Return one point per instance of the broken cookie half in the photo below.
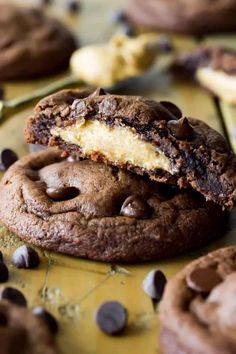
(213, 67)
(138, 134)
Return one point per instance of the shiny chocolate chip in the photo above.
(25, 257)
(47, 317)
(64, 193)
(7, 158)
(98, 92)
(154, 284)
(181, 129)
(3, 319)
(203, 280)
(4, 273)
(135, 207)
(172, 108)
(13, 295)
(111, 317)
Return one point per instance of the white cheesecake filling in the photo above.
(219, 82)
(118, 145)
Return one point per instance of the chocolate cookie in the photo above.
(21, 332)
(198, 309)
(183, 16)
(91, 210)
(141, 135)
(32, 44)
(213, 67)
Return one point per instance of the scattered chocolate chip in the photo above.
(4, 274)
(172, 108)
(135, 207)
(3, 319)
(129, 30)
(7, 158)
(25, 257)
(64, 193)
(98, 92)
(154, 284)
(180, 129)
(203, 280)
(73, 6)
(47, 317)
(165, 44)
(13, 295)
(118, 16)
(111, 317)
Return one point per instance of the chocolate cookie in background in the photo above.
(92, 210)
(32, 44)
(153, 138)
(197, 312)
(212, 67)
(22, 332)
(195, 17)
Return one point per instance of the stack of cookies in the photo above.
(134, 179)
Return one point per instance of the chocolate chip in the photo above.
(154, 284)
(129, 30)
(13, 295)
(172, 108)
(135, 207)
(119, 16)
(7, 158)
(25, 257)
(3, 319)
(203, 280)
(180, 129)
(111, 317)
(108, 106)
(165, 44)
(98, 92)
(73, 5)
(4, 274)
(64, 193)
(47, 317)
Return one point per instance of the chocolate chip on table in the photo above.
(73, 6)
(25, 257)
(135, 207)
(203, 280)
(154, 284)
(7, 158)
(171, 107)
(3, 319)
(180, 129)
(64, 193)
(13, 295)
(47, 317)
(111, 317)
(4, 273)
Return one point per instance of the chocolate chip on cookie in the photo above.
(136, 207)
(203, 280)
(64, 193)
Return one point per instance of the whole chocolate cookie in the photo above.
(184, 16)
(21, 332)
(32, 44)
(198, 309)
(135, 133)
(91, 210)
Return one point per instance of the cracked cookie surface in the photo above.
(91, 210)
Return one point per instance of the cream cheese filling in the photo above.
(118, 145)
(219, 82)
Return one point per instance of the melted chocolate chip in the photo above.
(111, 317)
(3, 319)
(64, 193)
(135, 207)
(172, 108)
(154, 284)
(47, 317)
(98, 92)
(181, 129)
(203, 280)
(13, 295)
(4, 274)
(7, 158)
(25, 257)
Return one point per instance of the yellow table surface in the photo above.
(71, 288)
